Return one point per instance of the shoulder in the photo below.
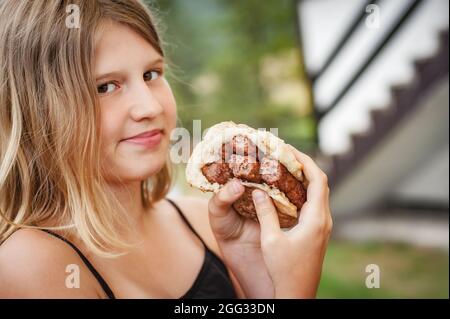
(34, 264)
(195, 209)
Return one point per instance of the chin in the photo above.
(140, 174)
(137, 167)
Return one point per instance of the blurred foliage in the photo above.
(237, 60)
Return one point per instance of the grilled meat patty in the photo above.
(241, 159)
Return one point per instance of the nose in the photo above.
(145, 103)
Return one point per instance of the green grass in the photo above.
(405, 271)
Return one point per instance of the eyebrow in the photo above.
(117, 73)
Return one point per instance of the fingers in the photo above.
(316, 211)
(220, 203)
(267, 214)
(318, 180)
(225, 222)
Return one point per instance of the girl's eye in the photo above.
(106, 88)
(151, 75)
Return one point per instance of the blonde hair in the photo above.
(50, 169)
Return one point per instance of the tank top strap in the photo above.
(88, 264)
(178, 209)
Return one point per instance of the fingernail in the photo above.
(236, 187)
(259, 196)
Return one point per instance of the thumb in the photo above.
(224, 221)
(221, 202)
(267, 214)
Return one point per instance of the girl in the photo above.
(86, 116)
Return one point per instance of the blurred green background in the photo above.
(405, 271)
(241, 61)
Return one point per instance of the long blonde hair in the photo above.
(49, 121)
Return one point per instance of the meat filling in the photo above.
(245, 168)
(240, 160)
(218, 172)
(239, 145)
(275, 174)
(244, 204)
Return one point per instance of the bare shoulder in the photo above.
(196, 211)
(34, 264)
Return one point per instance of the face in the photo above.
(138, 110)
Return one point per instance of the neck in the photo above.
(129, 195)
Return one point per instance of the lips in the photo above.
(148, 138)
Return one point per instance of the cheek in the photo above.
(170, 107)
(171, 117)
(110, 128)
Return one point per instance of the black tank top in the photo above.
(213, 280)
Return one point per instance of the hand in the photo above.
(239, 240)
(294, 258)
(267, 261)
